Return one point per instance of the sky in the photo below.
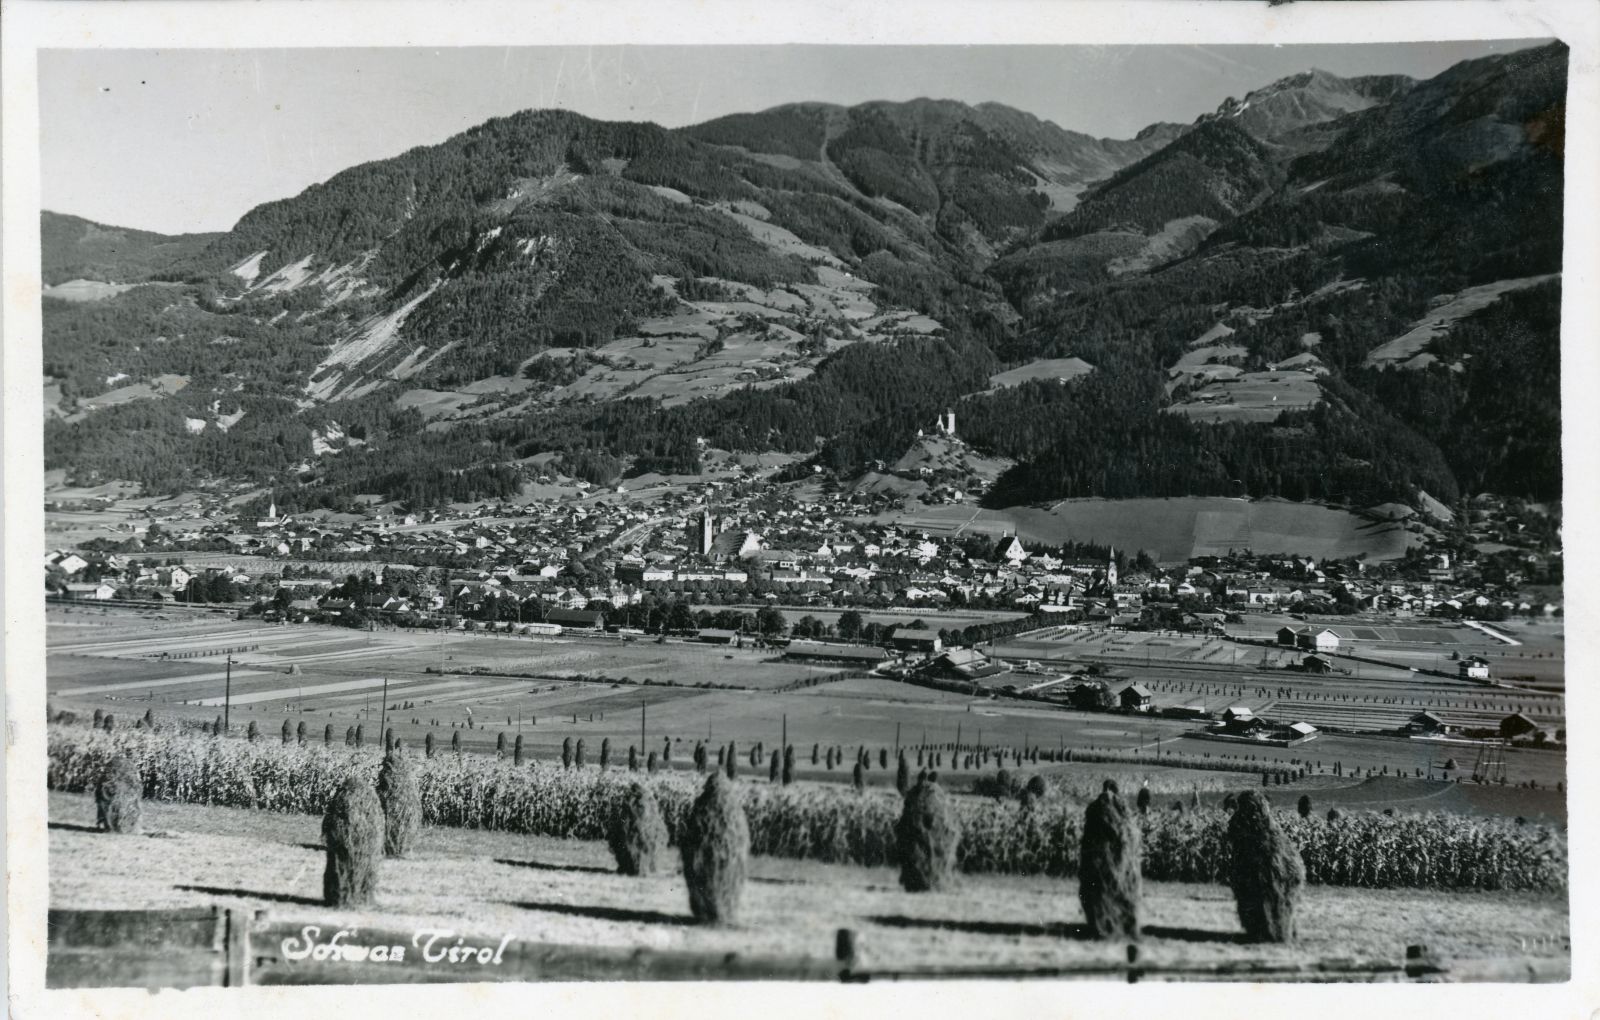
(189, 140)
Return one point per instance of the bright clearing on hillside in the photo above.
(1060, 369)
(1407, 349)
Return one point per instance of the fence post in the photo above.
(236, 973)
(1421, 963)
(844, 951)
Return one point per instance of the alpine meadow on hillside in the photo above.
(847, 539)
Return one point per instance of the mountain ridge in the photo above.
(813, 278)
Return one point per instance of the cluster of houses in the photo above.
(99, 578)
(712, 537)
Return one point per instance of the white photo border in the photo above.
(26, 26)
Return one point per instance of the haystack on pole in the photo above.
(119, 796)
(353, 832)
(637, 834)
(1265, 871)
(716, 852)
(1109, 884)
(926, 837)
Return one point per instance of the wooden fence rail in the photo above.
(234, 947)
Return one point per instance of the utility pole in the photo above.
(383, 712)
(897, 739)
(227, 697)
(642, 747)
(785, 744)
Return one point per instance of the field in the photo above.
(330, 675)
(1406, 350)
(1251, 397)
(112, 661)
(161, 385)
(1186, 841)
(566, 891)
(1212, 673)
(1174, 530)
(85, 290)
(935, 618)
(1059, 369)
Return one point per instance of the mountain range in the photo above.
(1339, 289)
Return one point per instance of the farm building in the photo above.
(912, 639)
(821, 651)
(1322, 641)
(1425, 722)
(72, 563)
(1092, 696)
(88, 592)
(577, 619)
(1208, 622)
(1135, 697)
(1517, 725)
(1473, 667)
(1316, 664)
(964, 664)
(716, 636)
(1306, 638)
(1240, 721)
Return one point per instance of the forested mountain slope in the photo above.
(821, 280)
(78, 249)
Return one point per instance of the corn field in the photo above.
(821, 822)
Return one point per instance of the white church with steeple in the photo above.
(272, 520)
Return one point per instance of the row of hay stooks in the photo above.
(366, 823)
